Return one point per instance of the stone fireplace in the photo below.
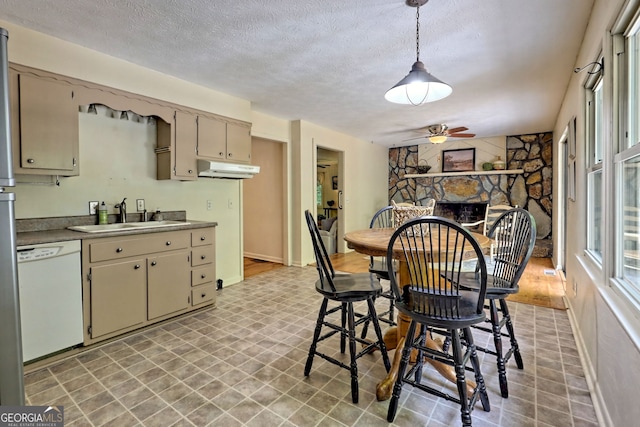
(461, 212)
(531, 189)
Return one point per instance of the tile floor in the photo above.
(242, 364)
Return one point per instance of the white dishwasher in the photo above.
(50, 298)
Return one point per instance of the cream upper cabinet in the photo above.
(186, 140)
(212, 138)
(238, 142)
(176, 147)
(44, 126)
(223, 140)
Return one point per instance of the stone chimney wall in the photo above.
(531, 190)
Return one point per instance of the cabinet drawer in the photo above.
(201, 256)
(122, 248)
(203, 294)
(202, 236)
(202, 275)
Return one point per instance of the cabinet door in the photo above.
(185, 145)
(212, 138)
(238, 143)
(118, 297)
(168, 284)
(48, 126)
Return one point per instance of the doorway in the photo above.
(264, 204)
(329, 197)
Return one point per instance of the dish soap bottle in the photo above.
(103, 214)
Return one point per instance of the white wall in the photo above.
(604, 326)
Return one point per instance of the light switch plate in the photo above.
(140, 205)
(93, 208)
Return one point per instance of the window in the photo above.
(627, 170)
(633, 84)
(595, 122)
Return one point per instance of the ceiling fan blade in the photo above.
(456, 130)
(462, 135)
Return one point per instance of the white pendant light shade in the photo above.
(437, 139)
(418, 87)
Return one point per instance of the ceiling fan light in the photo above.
(437, 139)
(418, 87)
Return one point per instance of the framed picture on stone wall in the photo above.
(460, 160)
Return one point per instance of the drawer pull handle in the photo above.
(221, 154)
(119, 250)
(137, 266)
(203, 295)
(203, 257)
(169, 243)
(203, 276)
(31, 161)
(190, 171)
(153, 263)
(202, 238)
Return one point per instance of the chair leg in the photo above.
(475, 363)
(343, 323)
(376, 327)
(458, 360)
(404, 361)
(494, 316)
(392, 306)
(316, 335)
(512, 335)
(352, 352)
(365, 327)
(420, 355)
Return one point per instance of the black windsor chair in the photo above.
(514, 235)
(436, 305)
(344, 289)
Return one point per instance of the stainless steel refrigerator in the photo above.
(11, 370)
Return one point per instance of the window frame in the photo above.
(628, 76)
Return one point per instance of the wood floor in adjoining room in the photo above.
(254, 267)
(540, 284)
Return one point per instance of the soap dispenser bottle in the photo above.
(103, 214)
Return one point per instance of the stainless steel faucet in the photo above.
(123, 210)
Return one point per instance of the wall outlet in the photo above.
(140, 205)
(93, 208)
(209, 205)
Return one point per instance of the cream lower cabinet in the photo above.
(167, 277)
(118, 296)
(134, 281)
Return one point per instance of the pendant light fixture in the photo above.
(419, 86)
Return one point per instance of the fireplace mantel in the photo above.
(466, 173)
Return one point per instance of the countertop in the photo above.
(47, 230)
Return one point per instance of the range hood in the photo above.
(211, 169)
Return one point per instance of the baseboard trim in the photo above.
(599, 405)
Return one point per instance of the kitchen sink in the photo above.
(127, 226)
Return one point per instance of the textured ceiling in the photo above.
(331, 61)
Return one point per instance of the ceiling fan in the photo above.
(437, 134)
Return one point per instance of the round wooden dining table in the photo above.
(374, 242)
